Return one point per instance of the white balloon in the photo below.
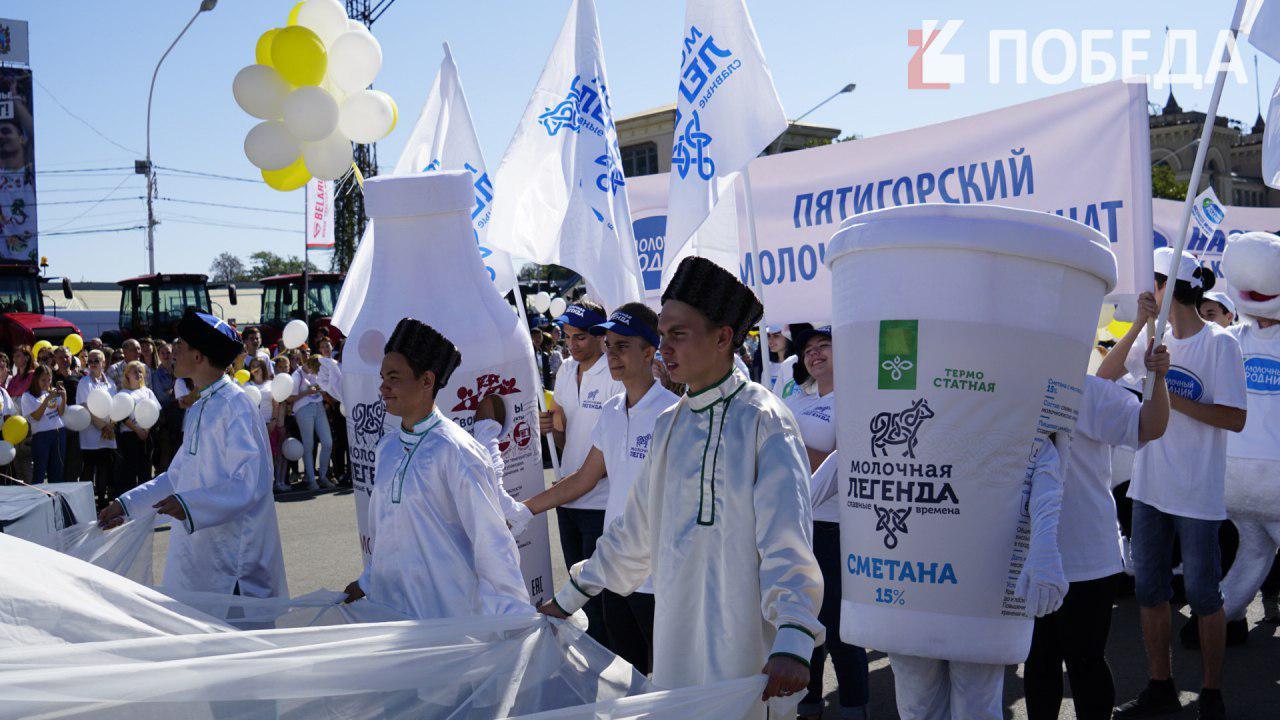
(327, 18)
(357, 26)
(354, 60)
(270, 146)
(259, 90)
(254, 394)
(7, 452)
(146, 413)
(330, 158)
(366, 116)
(121, 406)
(99, 403)
(76, 418)
(292, 449)
(281, 387)
(558, 306)
(294, 334)
(310, 113)
(541, 302)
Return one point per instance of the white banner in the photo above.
(1082, 154)
(320, 204)
(1166, 214)
(558, 199)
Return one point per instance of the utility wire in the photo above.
(94, 232)
(82, 202)
(214, 176)
(235, 207)
(84, 122)
(82, 171)
(91, 207)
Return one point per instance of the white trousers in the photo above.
(1252, 489)
(929, 689)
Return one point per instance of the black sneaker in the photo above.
(1159, 697)
(1210, 705)
(1237, 632)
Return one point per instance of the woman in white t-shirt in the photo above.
(98, 441)
(135, 464)
(1178, 480)
(1089, 542)
(43, 404)
(308, 410)
(814, 411)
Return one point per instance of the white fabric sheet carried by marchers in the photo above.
(560, 197)
(1083, 154)
(77, 641)
(727, 112)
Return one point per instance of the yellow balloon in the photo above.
(293, 14)
(395, 114)
(262, 53)
(242, 376)
(73, 343)
(299, 56)
(39, 347)
(290, 177)
(1118, 329)
(15, 429)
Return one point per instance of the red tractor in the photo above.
(282, 301)
(22, 312)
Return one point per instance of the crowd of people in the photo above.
(698, 511)
(117, 456)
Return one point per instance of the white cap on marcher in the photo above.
(1222, 299)
(1186, 268)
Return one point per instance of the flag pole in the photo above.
(1193, 187)
(755, 275)
(537, 378)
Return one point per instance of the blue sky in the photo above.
(97, 57)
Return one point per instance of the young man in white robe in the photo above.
(620, 444)
(441, 547)
(218, 486)
(719, 515)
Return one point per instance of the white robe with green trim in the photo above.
(441, 547)
(720, 516)
(222, 475)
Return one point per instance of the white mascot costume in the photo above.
(1251, 264)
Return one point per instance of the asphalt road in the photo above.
(321, 551)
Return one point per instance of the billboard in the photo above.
(18, 234)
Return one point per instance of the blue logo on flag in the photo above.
(1262, 374)
(1184, 383)
(585, 102)
(651, 235)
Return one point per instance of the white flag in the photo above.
(559, 189)
(727, 112)
(1271, 142)
(444, 138)
(1260, 20)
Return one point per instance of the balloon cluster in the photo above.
(310, 87)
(117, 408)
(542, 302)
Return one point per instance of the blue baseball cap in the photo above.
(624, 324)
(581, 317)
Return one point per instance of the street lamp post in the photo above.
(777, 144)
(145, 166)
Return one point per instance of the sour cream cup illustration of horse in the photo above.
(961, 334)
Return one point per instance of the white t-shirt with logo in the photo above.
(50, 420)
(782, 379)
(816, 416)
(1183, 472)
(582, 404)
(91, 437)
(1088, 532)
(1260, 438)
(623, 435)
(303, 381)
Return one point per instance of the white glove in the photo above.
(518, 516)
(1042, 582)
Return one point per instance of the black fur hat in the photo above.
(214, 338)
(425, 349)
(716, 293)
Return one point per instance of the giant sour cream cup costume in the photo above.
(961, 337)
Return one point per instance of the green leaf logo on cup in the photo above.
(898, 354)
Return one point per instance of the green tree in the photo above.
(1165, 184)
(227, 268)
(265, 264)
